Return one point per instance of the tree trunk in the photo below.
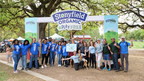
(42, 27)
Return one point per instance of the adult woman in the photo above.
(24, 47)
(92, 55)
(44, 52)
(16, 54)
(106, 55)
(59, 53)
(86, 52)
(99, 49)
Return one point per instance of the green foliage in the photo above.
(29, 34)
(111, 34)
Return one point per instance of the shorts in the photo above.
(8, 56)
(106, 56)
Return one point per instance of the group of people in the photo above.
(89, 54)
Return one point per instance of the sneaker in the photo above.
(59, 65)
(16, 71)
(42, 66)
(125, 71)
(109, 69)
(104, 68)
(45, 65)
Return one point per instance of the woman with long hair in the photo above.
(16, 54)
(24, 48)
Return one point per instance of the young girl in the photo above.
(24, 48)
(8, 52)
(59, 53)
(44, 52)
(92, 55)
(16, 54)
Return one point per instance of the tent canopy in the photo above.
(20, 38)
(56, 36)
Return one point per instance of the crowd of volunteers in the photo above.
(89, 54)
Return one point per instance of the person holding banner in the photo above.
(99, 49)
(34, 52)
(24, 48)
(16, 54)
(52, 52)
(44, 52)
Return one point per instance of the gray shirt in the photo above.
(99, 48)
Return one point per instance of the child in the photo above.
(59, 53)
(8, 52)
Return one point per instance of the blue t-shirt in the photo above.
(34, 48)
(64, 53)
(24, 49)
(75, 58)
(124, 47)
(44, 49)
(17, 49)
(49, 43)
(59, 49)
(53, 47)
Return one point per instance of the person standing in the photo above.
(34, 52)
(8, 52)
(99, 49)
(44, 52)
(106, 55)
(52, 52)
(49, 42)
(24, 47)
(59, 53)
(124, 52)
(65, 54)
(92, 55)
(114, 51)
(16, 54)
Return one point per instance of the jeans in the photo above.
(52, 58)
(48, 58)
(33, 58)
(65, 62)
(16, 58)
(115, 61)
(24, 61)
(59, 58)
(124, 56)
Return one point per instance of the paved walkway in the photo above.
(46, 78)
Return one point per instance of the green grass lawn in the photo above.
(3, 76)
(138, 45)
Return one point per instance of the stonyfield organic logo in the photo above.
(111, 20)
(30, 22)
(69, 20)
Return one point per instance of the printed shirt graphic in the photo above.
(53, 47)
(24, 49)
(34, 48)
(44, 49)
(17, 49)
(64, 53)
(59, 49)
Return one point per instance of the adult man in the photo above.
(124, 52)
(114, 51)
